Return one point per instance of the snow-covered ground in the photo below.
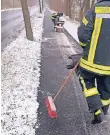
(20, 82)
(72, 28)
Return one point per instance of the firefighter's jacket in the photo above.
(94, 37)
(54, 15)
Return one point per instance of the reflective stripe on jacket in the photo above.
(94, 37)
(54, 15)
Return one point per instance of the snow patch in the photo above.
(72, 28)
(20, 82)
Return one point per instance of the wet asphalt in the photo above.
(73, 115)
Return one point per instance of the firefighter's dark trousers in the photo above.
(96, 89)
(53, 21)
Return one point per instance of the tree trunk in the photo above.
(73, 9)
(87, 6)
(42, 4)
(29, 33)
(69, 7)
(40, 8)
(81, 14)
(13, 4)
(82, 4)
(92, 4)
(2, 4)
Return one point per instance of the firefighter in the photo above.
(56, 17)
(94, 37)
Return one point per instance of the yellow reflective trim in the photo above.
(53, 15)
(91, 92)
(94, 39)
(94, 70)
(52, 18)
(98, 112)
(105, 102)
(85, 21)
(102, 10)
(88, 92)
(100, 67)
(82, 44)
(83, 83)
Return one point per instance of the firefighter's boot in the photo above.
(105, 109)
(97, 117)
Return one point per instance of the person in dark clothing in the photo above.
(94, 37)
(55, 17)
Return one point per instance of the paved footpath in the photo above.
(73, 116)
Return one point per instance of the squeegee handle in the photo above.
(65, 82)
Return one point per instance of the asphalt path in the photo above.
(12, 23)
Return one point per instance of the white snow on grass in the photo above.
(72, 28)
(20, 82)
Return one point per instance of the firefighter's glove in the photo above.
(70, 57)
(70, 66)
